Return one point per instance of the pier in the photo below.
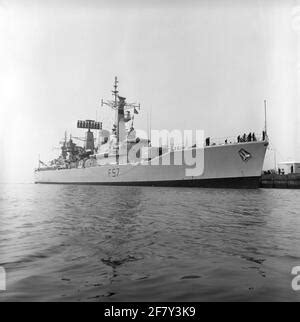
(283, 181)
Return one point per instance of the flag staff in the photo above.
(266, 129)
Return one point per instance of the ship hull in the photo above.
(225, 166)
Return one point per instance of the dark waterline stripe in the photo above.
(239, 182)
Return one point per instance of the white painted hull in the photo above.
(223, 167)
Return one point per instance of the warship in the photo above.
(118, 156)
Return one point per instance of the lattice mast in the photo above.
(119, 105)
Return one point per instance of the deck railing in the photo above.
(234, 140)
(223, 141)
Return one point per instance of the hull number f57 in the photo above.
(113, 172)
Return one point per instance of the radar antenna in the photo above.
(114, 103)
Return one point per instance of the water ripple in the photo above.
(89, 243)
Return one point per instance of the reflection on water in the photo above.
(93, 243)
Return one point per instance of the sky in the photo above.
(205, 65)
